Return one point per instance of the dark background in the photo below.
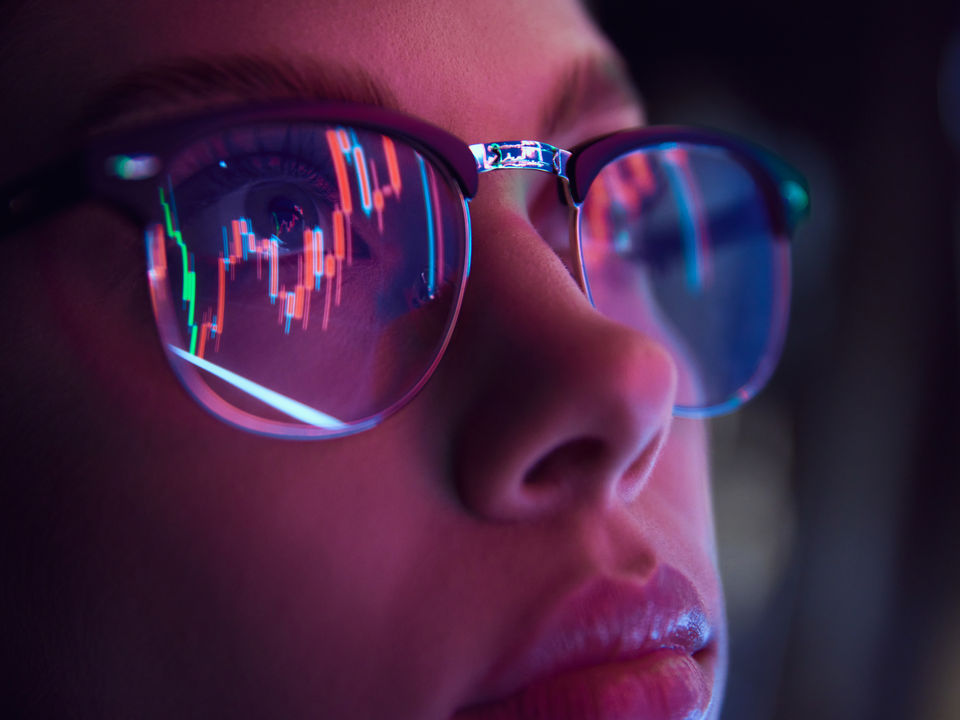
(838, 489)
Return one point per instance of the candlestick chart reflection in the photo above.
(305, 274)
(677, 241)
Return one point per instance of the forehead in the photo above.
(479, 69)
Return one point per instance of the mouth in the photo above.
(614, 649)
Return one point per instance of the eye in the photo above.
(271, 196)
(278, 195)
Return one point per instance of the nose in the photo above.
(559, 406)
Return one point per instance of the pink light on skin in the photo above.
(395, 478)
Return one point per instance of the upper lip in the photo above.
(608, 620)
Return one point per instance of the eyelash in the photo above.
(216, 182)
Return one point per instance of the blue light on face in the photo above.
(692, 242)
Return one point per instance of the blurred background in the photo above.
(838, 489)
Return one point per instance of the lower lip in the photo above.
(663, 685)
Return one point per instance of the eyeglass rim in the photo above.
(87, 172)
(785, 190)
(220, 408)
(83, 173)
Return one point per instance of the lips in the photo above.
(615, 649)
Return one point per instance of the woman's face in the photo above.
(521, 534)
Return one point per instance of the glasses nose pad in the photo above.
(573, 238)
(423, 291)
(556, 218)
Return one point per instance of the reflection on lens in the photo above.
(305, 277)
(677, 242)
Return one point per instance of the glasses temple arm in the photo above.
(793, 188)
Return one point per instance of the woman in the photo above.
(523, 531)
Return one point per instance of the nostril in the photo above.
(590, 464)
(567, 462)
(634, 477)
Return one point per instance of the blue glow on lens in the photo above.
(226, 246)
(796, 196)
(694, 274)
(712, 410)
(294, 409)
(469, 243)
(432, 277)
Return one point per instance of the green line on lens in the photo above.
(189, 293)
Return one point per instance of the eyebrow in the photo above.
(586, 85)
(167, 87)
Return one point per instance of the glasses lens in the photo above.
(678, 241)
(305, 277)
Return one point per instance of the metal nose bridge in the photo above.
(521, 154)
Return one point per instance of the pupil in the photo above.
(286, 214)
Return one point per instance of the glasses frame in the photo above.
(119, 169)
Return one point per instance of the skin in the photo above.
(169, 565)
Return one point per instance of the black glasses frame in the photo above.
(113, 168)
(120, 169)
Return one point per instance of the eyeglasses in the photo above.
(306, 262)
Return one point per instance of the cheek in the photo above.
(99, 304)
(281, 559)
(677, 497)
(684, 459)
(294, 565)
(676, 510)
